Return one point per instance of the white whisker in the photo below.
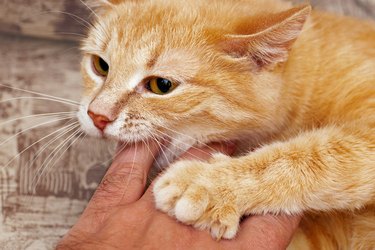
(57, 114)
(38, 98)
(131, 171)
(88, 7)
(116, 154)
(40, 94)
(38, 125)
(79, 19)
(149, 150)
(187, 136)
(49, 158)
(161, 149)
(68, 49)
(71, 34)
(178, 147)
(54, 132)
(182, 142)
(41, 150)
(63, 152)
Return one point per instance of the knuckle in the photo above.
(133, 173)
(114, 184)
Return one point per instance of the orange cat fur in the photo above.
(298, 86)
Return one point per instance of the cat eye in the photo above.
(161, 86)
(100, 66)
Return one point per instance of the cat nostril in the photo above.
(100, 121)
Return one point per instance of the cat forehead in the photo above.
(122, 31)
(136, 24)
(170, 23)
(130, 64)
(144, 50)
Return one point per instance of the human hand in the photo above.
(121, 216)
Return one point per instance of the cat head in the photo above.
(208, 70)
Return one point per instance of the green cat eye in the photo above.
(161, 86)
(100, 66)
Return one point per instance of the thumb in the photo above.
(123, 183)
(268, 231)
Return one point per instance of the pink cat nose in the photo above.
(100, 121)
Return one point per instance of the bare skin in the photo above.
(122, 215)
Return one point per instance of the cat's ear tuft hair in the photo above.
(269, 38)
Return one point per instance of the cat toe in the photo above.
(171, 187)
(166, 196)
(224, 231)
(225, 222)
(192, 205)
(186, 192)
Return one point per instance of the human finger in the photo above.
(268, 231)
(123, 183)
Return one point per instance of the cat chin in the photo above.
(126, 139)
(122, 138)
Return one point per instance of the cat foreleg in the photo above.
(324, 169)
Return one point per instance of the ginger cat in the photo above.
(295, 84)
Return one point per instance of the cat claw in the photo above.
(223, 232)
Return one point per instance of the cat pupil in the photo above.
(164, 85)
(103, 65)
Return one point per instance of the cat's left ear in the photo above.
(270, 40)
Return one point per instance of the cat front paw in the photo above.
(199, 194)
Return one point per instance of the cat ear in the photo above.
(273, 38)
